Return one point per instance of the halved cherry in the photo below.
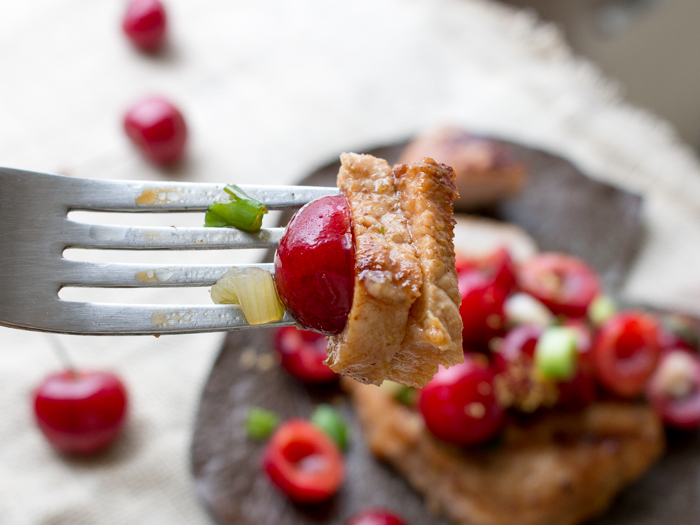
(481, 308)
(565, 284)
(625, 352)
(579, 391)
(674, 389)
(302, 354)
(375, 517)
(517, 346)
(497, 267)
(678, 332)
(315, 265)
(303, 462)
(459, 404)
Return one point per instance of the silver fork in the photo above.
(35, 230)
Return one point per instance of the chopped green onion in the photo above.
(254, 289)
(406, 395)
(261, 423)
(326, 418)
(601, 309)
(682, 328)
(556, 354)
(235, 208)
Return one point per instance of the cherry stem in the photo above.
(63, 355)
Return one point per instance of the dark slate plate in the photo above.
(564, 211)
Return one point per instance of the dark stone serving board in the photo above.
(563, 210)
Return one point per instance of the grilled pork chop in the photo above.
(404, 320)
(558, 469)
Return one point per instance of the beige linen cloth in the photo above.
(270, 88)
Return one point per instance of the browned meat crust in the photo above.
(485, 172)
(404, 320)
(561, 469)
(434, 331)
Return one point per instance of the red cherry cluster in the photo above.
(629, 354)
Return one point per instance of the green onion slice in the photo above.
(601, 309)
(327, 418)
(235, 208)
(260, 423)
(254, 289)
(556, 355)
(406, 395)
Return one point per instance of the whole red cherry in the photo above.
(302, 354)
(459, 404)
(315, 265)
(80, 412)
(565, 284)
(144, 23)
(625, 352)
(303, 462)
(375, 517)
(497, 266)
(158, 129)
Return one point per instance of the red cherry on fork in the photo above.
(315, 265)
(80, 412)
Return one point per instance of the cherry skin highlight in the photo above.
(315, 265)
(80, 412)
(303, 462)
(302, 354)
(158, 129)
(144, 23)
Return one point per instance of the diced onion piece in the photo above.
(556, 353)
(261, 423)
(222, 292)
(254, 289)
(522, 308)
(674, 376)
(601, 309)
(326, 418)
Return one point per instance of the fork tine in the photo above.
(97, 195)
(101, 236)
(141, 275)
(118, 319)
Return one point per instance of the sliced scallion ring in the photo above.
(556, 355)
(261, 423)
(327, 418)
(236, 209)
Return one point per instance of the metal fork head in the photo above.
(36, 230)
